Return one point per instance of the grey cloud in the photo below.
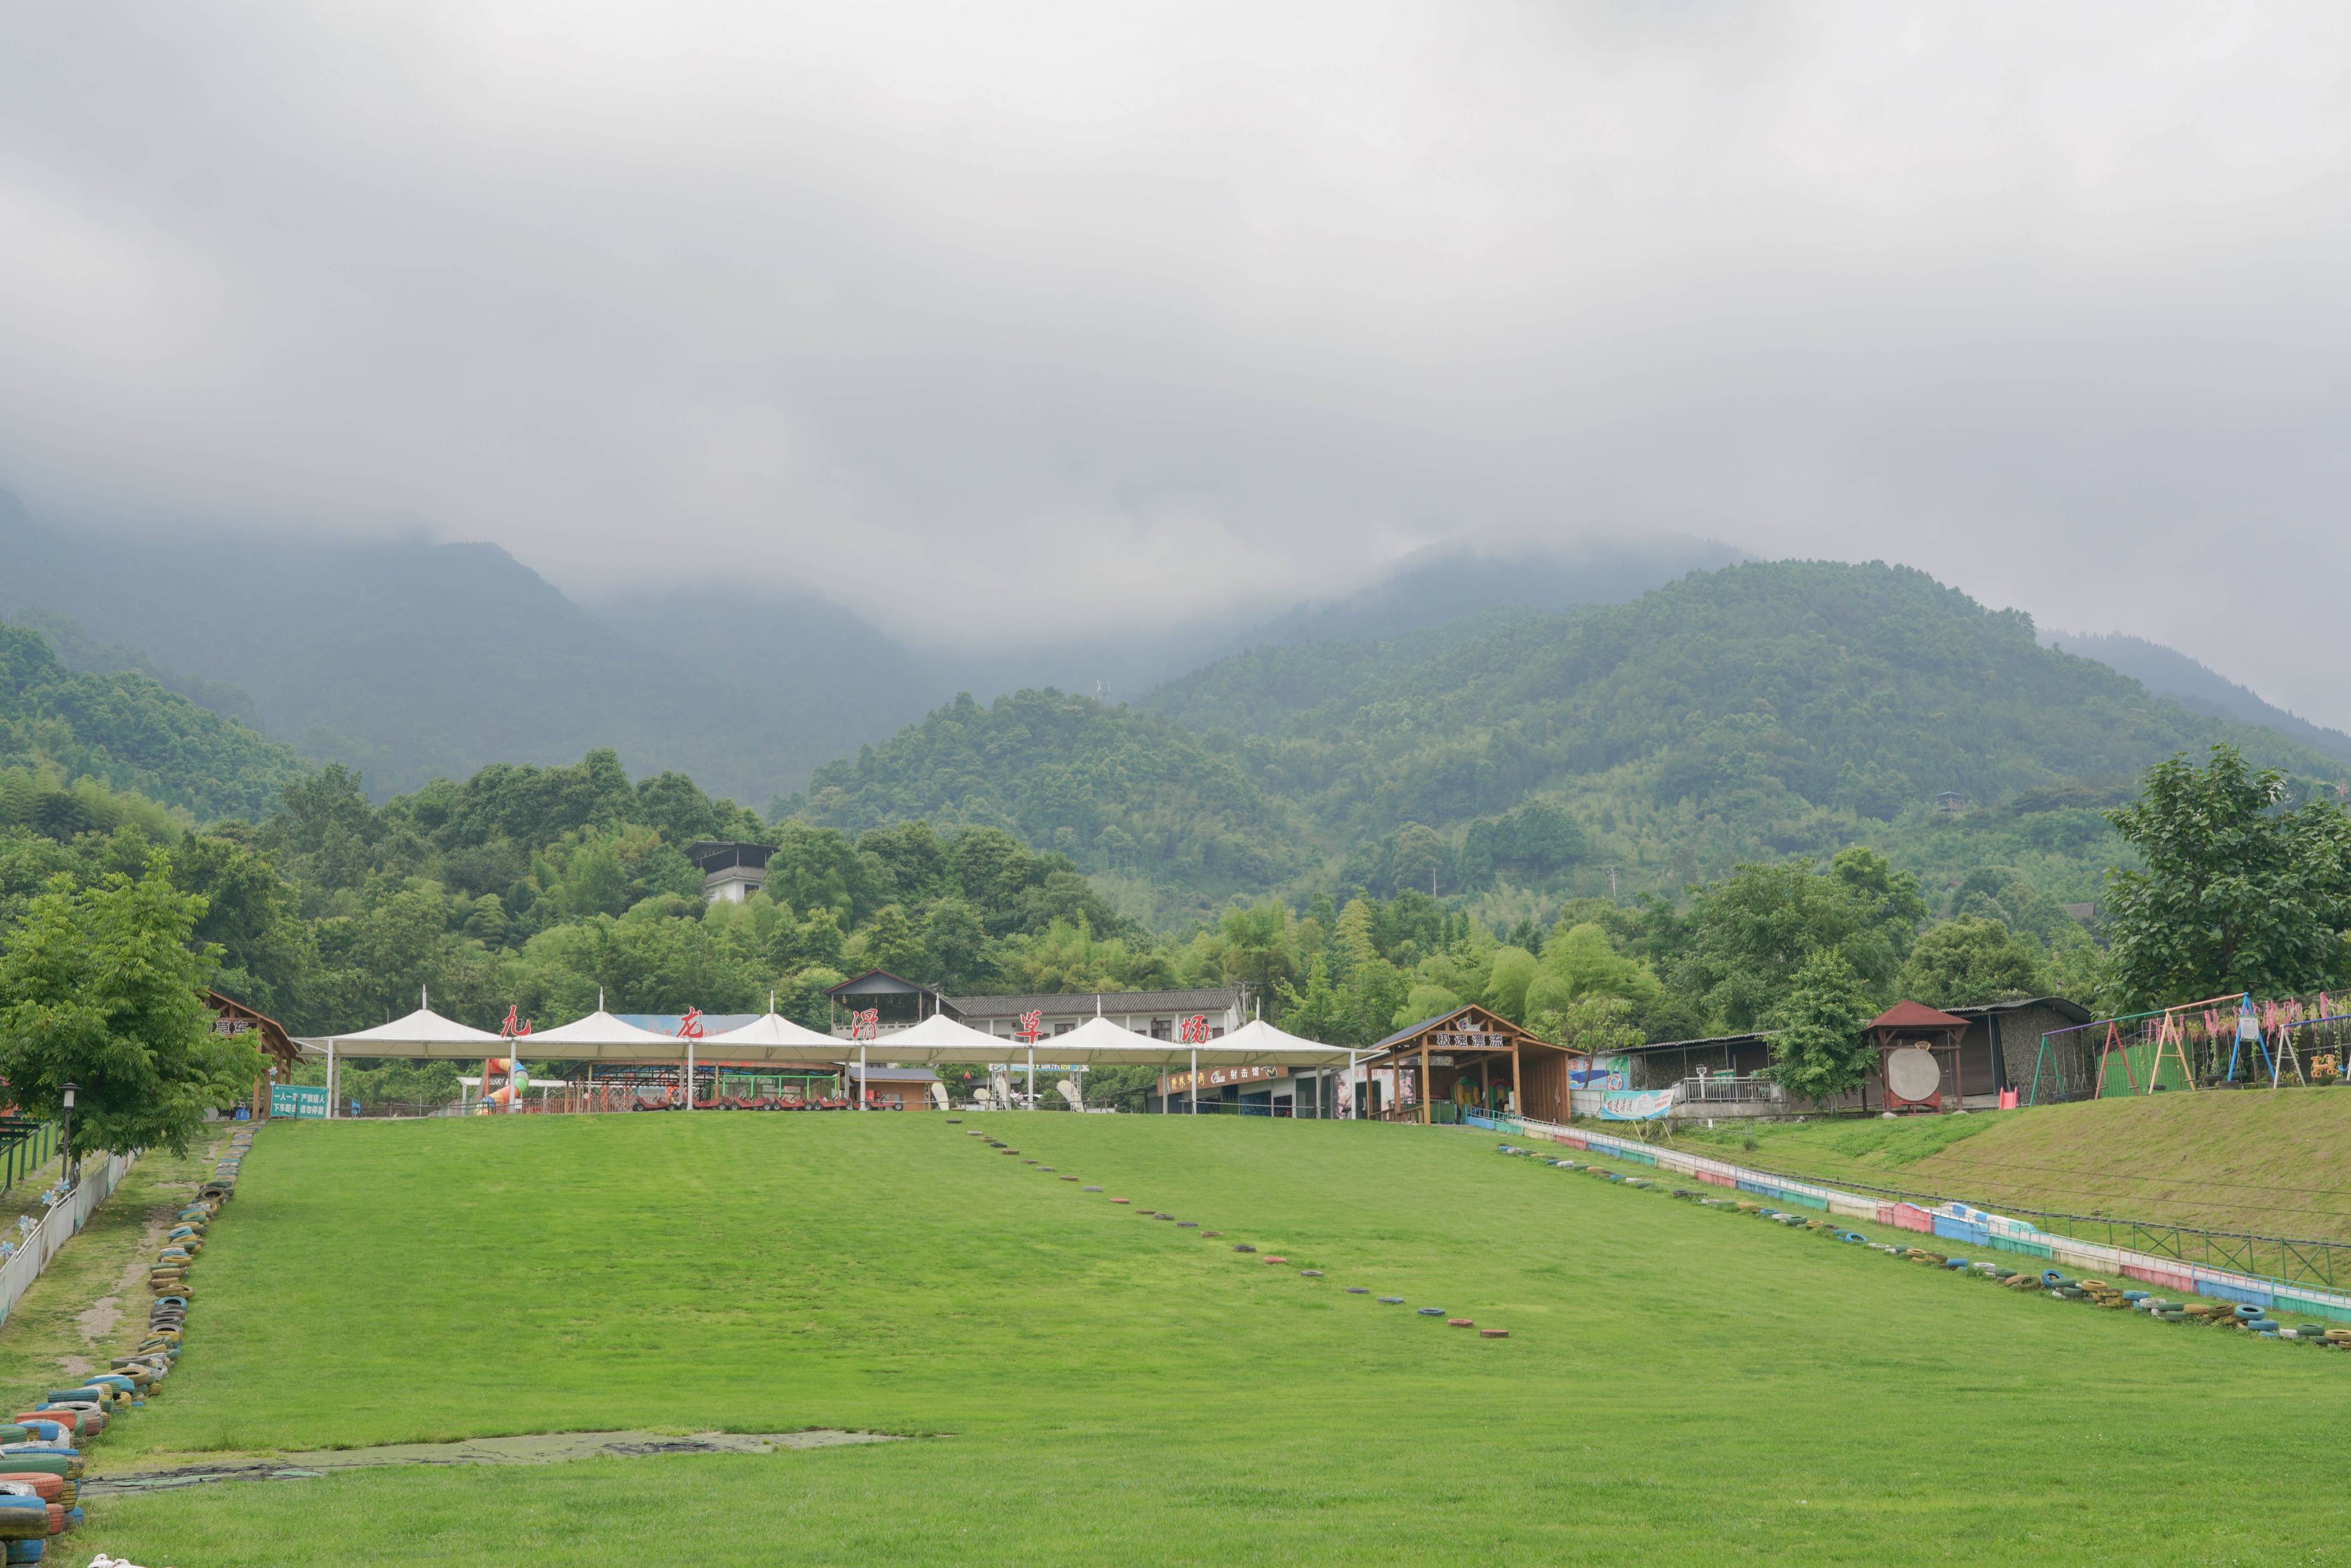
(940, 308)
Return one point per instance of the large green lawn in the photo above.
(1681, 1385)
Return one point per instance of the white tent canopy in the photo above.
(936, 1041)
(422, 1033)
(1263, 1045)
(774, 1030)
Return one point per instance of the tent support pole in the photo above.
(689, 1075)
(864, 1089)
(330, 1078)
(1196, 1081)
(1032, 1076)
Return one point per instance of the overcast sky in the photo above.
(1090, 308)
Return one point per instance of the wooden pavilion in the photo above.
(232, 1017)
(1469, 1059)
(1909, 1026)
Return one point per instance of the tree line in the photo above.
(539, 888)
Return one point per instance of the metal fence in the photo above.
(1700, 1089)
(60, 1225)
(28, 1145)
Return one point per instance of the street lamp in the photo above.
(67, 1153)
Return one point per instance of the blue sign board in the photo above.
(299, 1101)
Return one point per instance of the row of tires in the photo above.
(41, 1449)
(2248, 1318)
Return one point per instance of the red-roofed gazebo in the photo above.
(1911, 1038)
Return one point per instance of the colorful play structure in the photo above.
(2218, 1043)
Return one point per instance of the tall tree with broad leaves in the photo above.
(1817, 1047)
(2237, 893)
(104, 990)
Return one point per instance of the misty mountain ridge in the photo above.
(408, 660)
(2193, 685)
(1730, 717)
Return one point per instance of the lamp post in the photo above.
(65, 1155)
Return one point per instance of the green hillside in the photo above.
(1741, 715)
(129, 731)
(2271, 1163)
(1117, 791)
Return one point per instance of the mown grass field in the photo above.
(2274, 1163)
(1681, 1385)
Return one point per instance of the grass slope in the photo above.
(1680, 1384)
(2277, 1164)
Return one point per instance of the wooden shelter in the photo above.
(1914, 1026)
(232, 1016)
(1472, 1057)
(895, 1002)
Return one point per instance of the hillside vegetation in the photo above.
(127, 731)
(1734, 716)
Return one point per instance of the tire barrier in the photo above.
(41, 1462)
(2243, 1302)
(2216, 1288)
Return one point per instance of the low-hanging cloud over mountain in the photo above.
(973, 314)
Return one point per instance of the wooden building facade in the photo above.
(1470, 1059)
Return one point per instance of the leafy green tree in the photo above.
(2236, 893)
(954, 944)
(891, 942)
(1318, 1013)
(104, 990)
(1753, 931)
(1255, 947)
(1419, 855)
(1968, 961)
(1596, 1024)
(1512, 972)
(1818, 1047)
(1587, 962)
(1423, 999)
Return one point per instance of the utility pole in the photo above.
(1612, 884)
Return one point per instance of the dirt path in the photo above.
(91, 1304)
(537, 1448)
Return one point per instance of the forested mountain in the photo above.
(58, 725)
(1738, 714)
(408, 660)
(2171, 673)
(1119, 791)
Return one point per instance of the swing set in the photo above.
(2260, 1038)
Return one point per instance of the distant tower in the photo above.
(730, 870)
